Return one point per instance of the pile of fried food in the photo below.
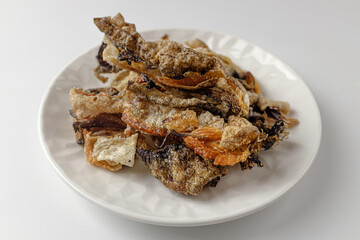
(189, 113)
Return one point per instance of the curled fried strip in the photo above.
(160, 97)
(193, 80)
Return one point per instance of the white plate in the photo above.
(135, 194)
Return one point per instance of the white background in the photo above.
(319, 39)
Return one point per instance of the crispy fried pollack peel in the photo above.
(193, 111)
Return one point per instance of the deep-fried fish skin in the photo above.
(180, 169)
(171, 58)
(89, 103)
(166, 61)
(162, 98)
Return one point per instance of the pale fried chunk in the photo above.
(89, 148)
(235, 137)
(120, 150)
(120, 81)
(206, 119)
(239, 134)
(104, 70)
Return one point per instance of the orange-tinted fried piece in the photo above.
(230, 158)
(207, 133)
(201, 147)
(213, 150)
(129, 118)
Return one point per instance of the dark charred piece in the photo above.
(250, 162)
(273, 113)
(268, 143)
(270, 112)
(254, 159)
(237, 75)
(101, 120)
(273, 134)
(258, 119)
(214, 182)
(254, 119)
(127, 55)
(180, 169)
(221, 96)
(150, 83)
(276, 129)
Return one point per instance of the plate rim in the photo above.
(166, 221)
